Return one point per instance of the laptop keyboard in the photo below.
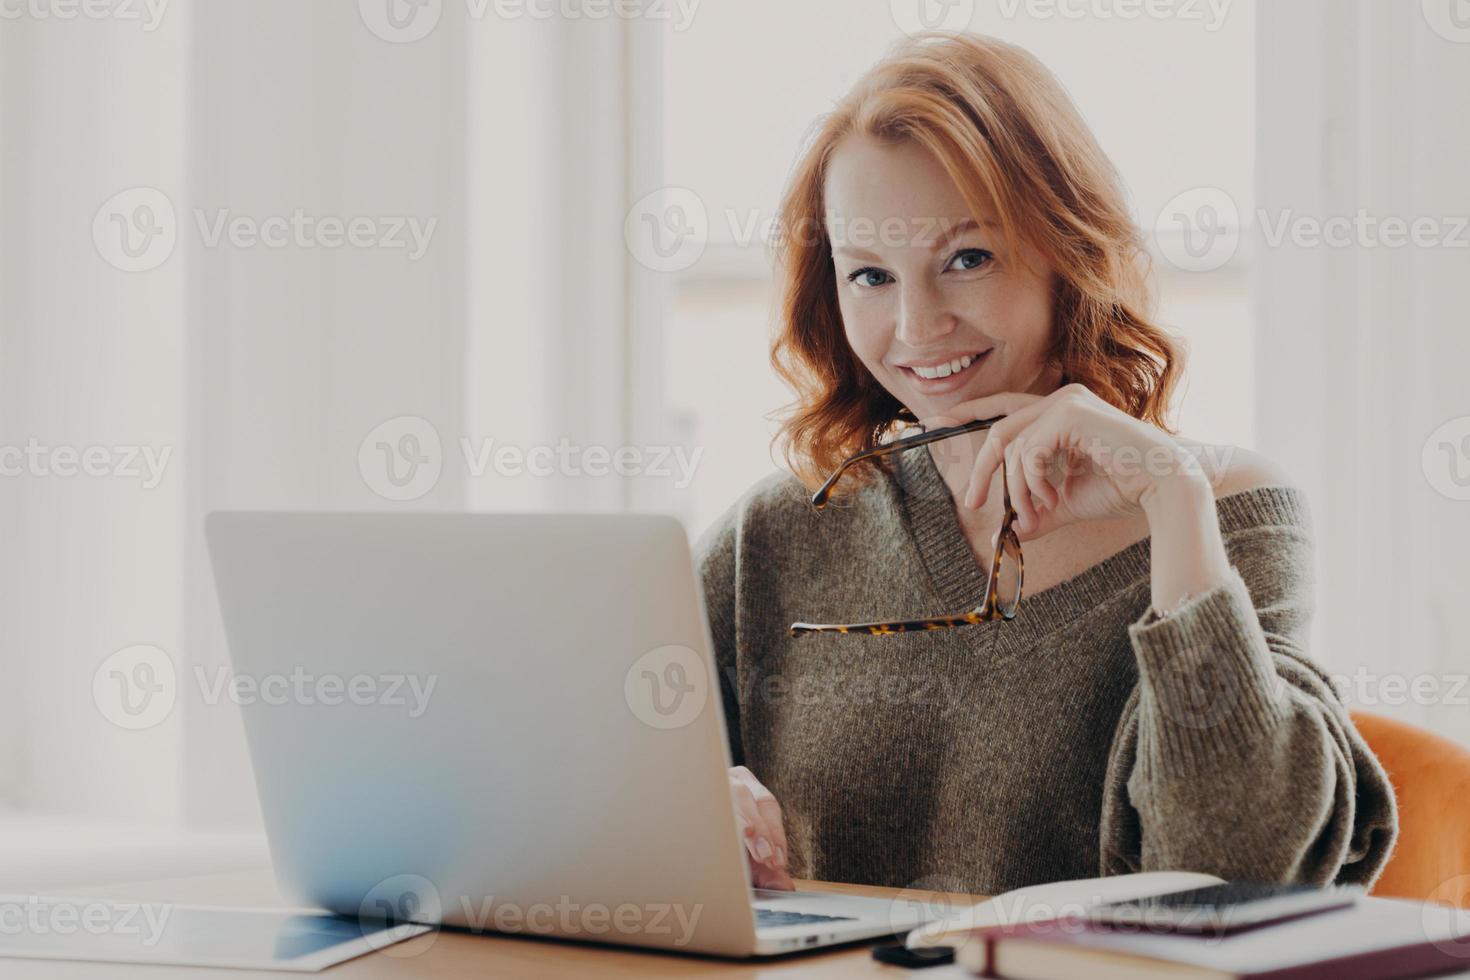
(770, 918)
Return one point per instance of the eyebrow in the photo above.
(950, 231)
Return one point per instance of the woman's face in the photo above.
(932, 302)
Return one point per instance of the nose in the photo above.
(923, 316)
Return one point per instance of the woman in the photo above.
(955, 247)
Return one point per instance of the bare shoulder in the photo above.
(1232, 469)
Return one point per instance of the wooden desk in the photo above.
(462, 954)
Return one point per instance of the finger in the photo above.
(764, 876)
(752, 826)
(1036, 459)
(1020, 492)
(770, 812)
(987, 461)
(765, 834)
(1002, 403)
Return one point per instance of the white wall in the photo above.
(297, 353)
(273, 369)
(89, 356)
(1361, 349)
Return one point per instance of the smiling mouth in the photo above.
(949, 370)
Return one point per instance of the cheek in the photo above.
(865, 331)
(1021, 313)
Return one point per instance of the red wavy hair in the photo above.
(1015, 146)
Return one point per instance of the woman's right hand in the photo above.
(759, 817)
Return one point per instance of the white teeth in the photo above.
(944, 370)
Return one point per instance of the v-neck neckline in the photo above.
(958, 580)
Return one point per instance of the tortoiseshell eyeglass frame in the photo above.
(991, 608)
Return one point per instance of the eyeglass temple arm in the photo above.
(819, 499)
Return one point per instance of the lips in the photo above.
(951, 378)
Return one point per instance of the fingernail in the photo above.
(763, 849)
(781, 856)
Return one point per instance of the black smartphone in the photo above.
(1223, 908)
(900, 955)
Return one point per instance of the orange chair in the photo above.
(1431, 778)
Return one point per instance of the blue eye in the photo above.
(869, 276)
(969, 259)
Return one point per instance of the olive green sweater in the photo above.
(1079, 739)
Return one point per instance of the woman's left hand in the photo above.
(1071, 456)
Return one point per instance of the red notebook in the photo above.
(1375, 939)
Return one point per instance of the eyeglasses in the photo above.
(1002, 584)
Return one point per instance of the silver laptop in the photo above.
(501, 723)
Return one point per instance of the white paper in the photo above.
(102, 930)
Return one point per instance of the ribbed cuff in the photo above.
(1207, 674)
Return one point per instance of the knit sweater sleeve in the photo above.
(715, 558)
(1234, 756)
